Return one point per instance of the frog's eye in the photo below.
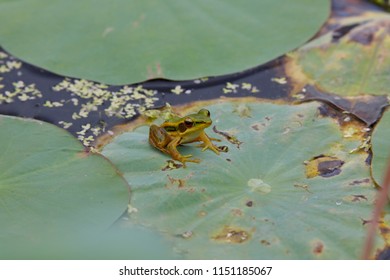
(188, 123)
(204, 112)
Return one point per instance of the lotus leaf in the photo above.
(357, 64)
(122, 42)
(54, 196)
(254, 201)
(381, 148)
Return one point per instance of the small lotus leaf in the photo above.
(355, 65)
(53, 194)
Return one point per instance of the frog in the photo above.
(181, 130)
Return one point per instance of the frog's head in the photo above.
(195, 122)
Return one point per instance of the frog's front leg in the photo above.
(207, 144)
(174, 153)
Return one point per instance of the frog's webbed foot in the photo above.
(186, 158)
(211, 147)
(207, 144)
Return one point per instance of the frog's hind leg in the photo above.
(174, 153)
(158, 137)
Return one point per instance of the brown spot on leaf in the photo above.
(257, 126)
(364, 222)
(265, 242)
(302, 186)
(202, 213)
(318, 247)
(231, 138)
(171, 165)
(355, 198)
(223, 149)
(249, 203)
(360, 182)
(322, 165)
(186, 235)
(359, 197)
(172, 182)
(237, 212)
(230, 234)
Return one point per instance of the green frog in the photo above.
(180, 130)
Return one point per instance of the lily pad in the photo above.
(254, 201)
(122, 42)
(381, 148)
(357, 64)
(54, 196)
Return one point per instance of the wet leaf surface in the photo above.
(253, 201)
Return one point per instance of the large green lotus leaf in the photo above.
(56, 198)
(121, 42)
(381, 148)
(115, 243)
(357, 64)
(255, 201)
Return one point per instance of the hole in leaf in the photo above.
(325, 166)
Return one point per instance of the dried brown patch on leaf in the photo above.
(231, 138)
(366, 108)
(249, 203)
(176, 183)
(237, 212)
(364, 181)
(231, 234)
(171, 164)
(265, 242)
(318, 247)
(355, 198)
(370, 32)
(324, 166)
